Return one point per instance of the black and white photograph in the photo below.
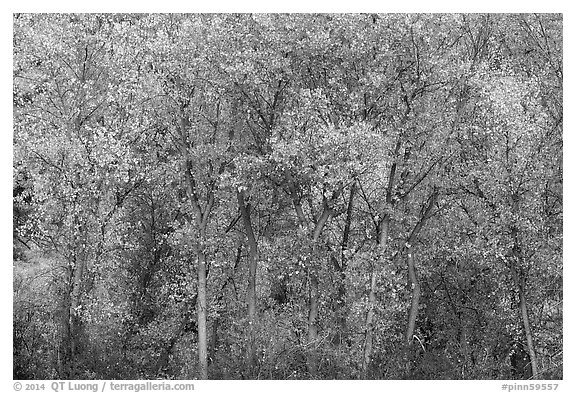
(287, 196)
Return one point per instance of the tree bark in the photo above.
(340, 270)
(347, 224)
(74, 324)
(71, 319)
(528, 333)
(201, 315)
(412, 272)
(523, 308)
(314, 294)
(313, 307)
(252, 257)
(340, 308)
(413, 314)
(201, 220)
(520, 280)
(251, 299)
(64, 358)
(369, 322)
(383, 229)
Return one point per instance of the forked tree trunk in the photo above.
(201, 221)
(314, 294)
(383, 230)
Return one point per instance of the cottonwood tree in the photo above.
(73, 139)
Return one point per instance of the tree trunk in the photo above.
(412, 273)
(520, 280)
(527, 328)
(313, 284)
(252, 258)
(340, 301)
(73, 328)
(201, 316)
(340, 270)
(252, 265)
(314, 274)
(312, 323)
(64, 358)
(413, 314)
(383, 229)
(347, 224)
(201, 220)
(75, 303)
(369, 322)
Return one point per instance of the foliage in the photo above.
(364, 171)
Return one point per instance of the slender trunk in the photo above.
(527, 329)
(221, 294)
(74, 322)
(313, 309)
(369, 322)
(340, 302)
(201, 316)
(252, 265)
(340, 309)
(520, 280)
(314, 293)
(214, 338)
(64, 349)
(412, 273)
(201, 219)
(313, 306)
(413, 314)
(252, 257)
(383, 229)
(312, 359)
(460, 328)
(347, 224)
(326, 213)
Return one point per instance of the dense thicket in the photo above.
(287, 196)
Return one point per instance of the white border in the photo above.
(293, 6)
